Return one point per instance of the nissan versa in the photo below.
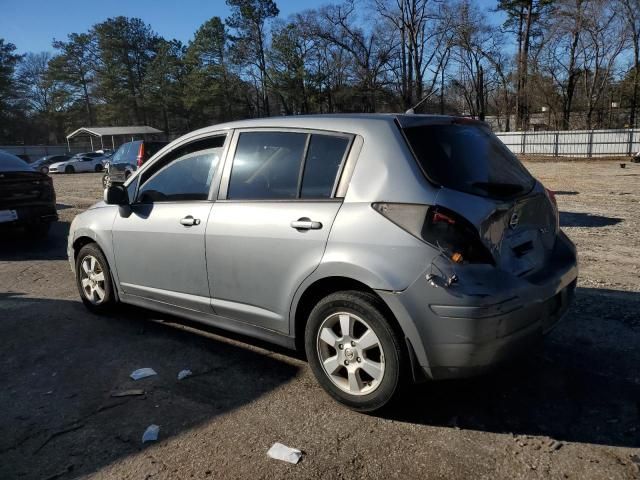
(392, 248)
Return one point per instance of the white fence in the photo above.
(574, 143)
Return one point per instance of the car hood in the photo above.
(100, 204)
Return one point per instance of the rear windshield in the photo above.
(468, 158)
(127, 153)
(11, 163)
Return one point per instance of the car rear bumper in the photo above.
(486, 317)
(31, 214)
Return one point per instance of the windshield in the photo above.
(468, 158)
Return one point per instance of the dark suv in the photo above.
(128, 158)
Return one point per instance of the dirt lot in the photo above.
(571, 410)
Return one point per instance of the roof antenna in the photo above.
(411, 111)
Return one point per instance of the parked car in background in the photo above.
(392, 248)
(42, 164)
(27, 197)
(80, 162)
(128, 158)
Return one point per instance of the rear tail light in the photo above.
(439, 227)
(554, 203)
(140, 158)
(552, 197)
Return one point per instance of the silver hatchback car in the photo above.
(392, 248)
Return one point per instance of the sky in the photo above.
(31, 25)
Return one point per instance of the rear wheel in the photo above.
(93, 278)
(354, 352)
(69, 169)
(98, 168)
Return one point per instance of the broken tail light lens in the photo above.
(439, 227)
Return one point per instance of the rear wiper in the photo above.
(499, 188)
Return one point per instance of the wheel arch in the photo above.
(85, 239)
(319, 289)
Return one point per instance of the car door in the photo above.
(268, 230)
(159, 240)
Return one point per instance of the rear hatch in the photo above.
(482, 181)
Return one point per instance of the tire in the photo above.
(90, 292)
(98, 168)
(69, 169)
(44, 169)
(387, 361)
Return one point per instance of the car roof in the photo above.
(338, 122)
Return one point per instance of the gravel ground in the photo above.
(569, 410)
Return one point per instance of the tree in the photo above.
(559, 57)
(125, 49)
(523, 17)
(423, 41)
(603, 40)
(8, 88)
(249, 20)
(631, 13)
(75, 66)
(164, 80)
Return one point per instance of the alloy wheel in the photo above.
(350, 353)
(92, 279)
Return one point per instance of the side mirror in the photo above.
(116, 195)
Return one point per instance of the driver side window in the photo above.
(185, 174)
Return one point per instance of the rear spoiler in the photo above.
(412, 120)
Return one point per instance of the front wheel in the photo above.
(69, 169)
(98, 168)
(354, 352)
(93, 278)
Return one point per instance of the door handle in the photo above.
(189, 221)
(305, 223)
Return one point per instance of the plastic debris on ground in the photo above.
(127, 393)
(279, 451)
(142, 373)
(151, 434)
(184, 374)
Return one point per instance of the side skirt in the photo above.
(212, 320)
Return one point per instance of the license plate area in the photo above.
(8, 216)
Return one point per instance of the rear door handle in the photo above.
(305, 223)
(189, 221)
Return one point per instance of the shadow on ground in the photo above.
(16, 245)
(581, 387)
(59, 365)
(576, 219)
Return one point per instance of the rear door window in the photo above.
(286, 165)
(325, 155)
(468, 158)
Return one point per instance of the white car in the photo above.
(82, 162)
